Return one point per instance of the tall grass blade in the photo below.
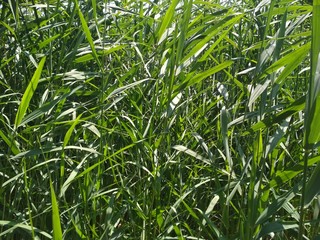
(56, 225)
(229, 21)
(290, 62)
(24, 227)
(71, 177)
(9, 28)
(190, 152)
(312, 111)
(314, 114)
(313, 186)
(191, 80)
(167, 19)
(275, 227)
(29, 93)
(17, 176)
(277, 204)
(88, 35)
(70, 130)
(277, 118)
(47, 107)
(224, 119)
(312, 119)
(10, 142)
(184, 30)
(127, 87)
(284, 176)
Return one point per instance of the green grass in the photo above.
(161, 119)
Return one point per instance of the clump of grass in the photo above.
(159, 120)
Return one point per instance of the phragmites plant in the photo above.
(179, 119)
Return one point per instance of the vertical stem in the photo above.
(313, 92)
(303, 192)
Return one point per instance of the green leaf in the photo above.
(9, 28)
(10, 142)
(191, 212)
(37, 151)
(47, 107)
(49, 40)
(312, 121)
(23, 226)
(278, 203)
(166, 21)
(70, 130)
(275, 227)
(57, 232)
(213, 228)
(29, 93)
(290, 61)
(90, 56)
(71, 177)
(314, 134)
(15, 177)
(224, 120)
(293, 108)
(190, 152)
(183, 30)
(127, 87)
(284, 176)
(88, 35)
(313, 186)
(229, 22)
(201, 76)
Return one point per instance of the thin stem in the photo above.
(305, 170)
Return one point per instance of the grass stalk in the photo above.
(312, 117)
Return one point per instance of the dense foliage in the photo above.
(141, 119)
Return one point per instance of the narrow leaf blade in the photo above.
(29, 93)
(57, 232)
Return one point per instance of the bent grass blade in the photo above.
(22, 226)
